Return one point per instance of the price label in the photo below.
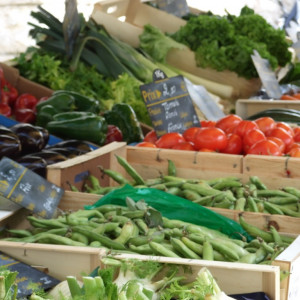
(267, 76)
(28, 277)
(28, 189)
(169, 104)
(178, 8)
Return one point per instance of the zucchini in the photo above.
(279, 115)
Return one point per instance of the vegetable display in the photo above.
(138, 228)
(224, 192)
(269, 132)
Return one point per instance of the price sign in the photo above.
(267, 76)
(28, 189)
(169, 104)
(28, 277)
(178, 8)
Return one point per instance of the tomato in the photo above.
(266, 124)
(11, 92)
(184, 146)
(169, 140)
(244, 127)
(228, 122)
(286, 126)
(288, 97)
(5, 110)
(296, 130)
(252, 137)
(211, 138)
(25, 100)
(208, 123)
(150, 137)
(189, 134)
(146, 144)
(206, 150)
(278, 141)
(113, 134)
(25, 115)
(294, 152)
(282, 134)
(265, 147)
(234, 144)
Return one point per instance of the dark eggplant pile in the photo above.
(28, 145)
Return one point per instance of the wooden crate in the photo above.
(248, 107)
(75, 170)
(111, 14)
(87, 258)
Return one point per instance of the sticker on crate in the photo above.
(169, 104)
(28, 278)
(28, 189)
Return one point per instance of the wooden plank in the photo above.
(75, 170)
(246, 107)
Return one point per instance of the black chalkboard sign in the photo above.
(28, 189)
(169, 104)
(178, 8)
(28, 278)
(267, 76)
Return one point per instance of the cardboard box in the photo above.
(22, 84)
(125, 21)
(248, 107)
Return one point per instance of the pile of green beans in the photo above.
(225, 192)
(121, 229)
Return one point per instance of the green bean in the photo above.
(178, 183)
(143, 227)
(94, 182)
(142, 249)
(160, 249)
(19, 232)
(252, 204)
(292, 190)
(217, 180)
(205, 200)
(224, 204)
(159, 186)
(239, 192)
(157, 237)
(105, 241)
(172, 223)
(130, 170)
(276, 236)
(272, 208)
(197, 248)
(95, 244)
(226, 184)
(193, 196)
(174, 232)
(152, 181)
(258, 183)
(174, 190)
(57, 239)
(208, 251)
(288, 211)
(198, 229)
(201, 188)
(282, 200)
(50, 223)
(134, 214)
(110, 207)
(249, 258)
(116, 176)
(255, 231)
(106, 227)
(181, 248)
(252, 190)
(240, 204)
(127, 231)
(171, 168)
(119, 219)
(174, 179)
(275, 193)
(76, 236)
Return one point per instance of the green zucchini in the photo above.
(279, 115)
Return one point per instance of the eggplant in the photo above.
(32, 139)
(45, 133)
(51, 157)
(75, 146)
(34, 163)
(7, 131)
(64, 151)
(10, 146)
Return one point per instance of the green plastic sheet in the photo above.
(174, 207)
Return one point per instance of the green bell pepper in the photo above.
(123, 116)
(85, 126)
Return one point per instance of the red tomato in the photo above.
(282, 134)
(297, 136)
(296, 130)
(25, 115)
(265, 147)
(291, 146)
(150, 137)
(208, 123)
(11, 92)
(294, 152)
(113, 134)
(266, 124)
(169, 140)
(244, 127)
(25, 101)
(5, 110)
(206, 150)
(228, 122)
(278, 141)
(286, 126)
(146, 144)
(211, 138)
(252, 137)
(189, 134)
(184, 146)
(234, 144)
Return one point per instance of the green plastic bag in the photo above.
(174, 207)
